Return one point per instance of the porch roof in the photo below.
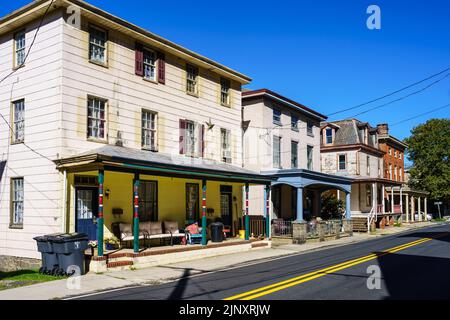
(307, 178)
(122, 159)
(359, 179)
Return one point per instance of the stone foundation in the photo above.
(299, 232)
(10, 263)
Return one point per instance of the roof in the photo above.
(37, 8)
(393, 140)
(347, 132)
(288, 102)
(156, 161)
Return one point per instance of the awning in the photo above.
(122, 159)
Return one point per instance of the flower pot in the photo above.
(110, 246)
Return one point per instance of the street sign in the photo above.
(438, 203)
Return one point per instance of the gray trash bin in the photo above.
(49, 258)
(216, 232)
(70, 249)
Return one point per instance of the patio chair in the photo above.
(153, 230)
(193, 234)
(171, 227)
(124, 232)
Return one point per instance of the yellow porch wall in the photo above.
(171, 198)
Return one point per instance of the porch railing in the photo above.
(281, 228)
(397, 208)
(257, 225)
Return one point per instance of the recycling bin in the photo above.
(216, 232)
(49, 258)
(69, 249)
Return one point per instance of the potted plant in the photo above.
(111, 243)
(94, 247)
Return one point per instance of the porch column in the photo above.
(425, 208)
(100, 220)
(392, 199)
(136, 213)
(418, 209)
(412, 209)
(204, 240)
(338, 194)
(247, 217)
(348, 214)
(374, 197)
(300, 204)
(267, 209)
(407, 207)
(383, 200)
(401, 199)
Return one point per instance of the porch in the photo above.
(142, 199)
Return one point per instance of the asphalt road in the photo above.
(413, 265)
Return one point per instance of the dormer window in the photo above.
(277, 117)
(328, 135)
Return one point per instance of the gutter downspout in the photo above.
(64, 206)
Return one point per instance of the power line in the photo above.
(402, 98)
(390, 94)
(420, 115)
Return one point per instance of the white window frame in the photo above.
(310, 157)
(17, 202)
(150, 65)
(368, 165)
(225, 86)
(192, 74)
(309, 129)
(294, 155)
(276, 116)
(294, 122)
(225, 142)
(93, 44)
(326, 135)
(276, 152)
(149, 130)
(339, 161)
(18, 121)
(98, 120)
(19, 48)
(191, 139)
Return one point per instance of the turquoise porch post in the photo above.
(267, 209)
(299, 204)
(136, 213)
(100, 220)
(247, 217)
(204, 239)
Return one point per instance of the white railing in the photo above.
(373, 215)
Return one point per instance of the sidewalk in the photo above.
(91, 283)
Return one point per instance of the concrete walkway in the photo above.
(91, 283)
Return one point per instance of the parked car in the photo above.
(429, 217)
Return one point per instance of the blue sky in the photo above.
(319, 53)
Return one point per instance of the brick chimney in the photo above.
(383, 129)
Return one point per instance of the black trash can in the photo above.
(49, 258)
(216, 232)
(70, 249)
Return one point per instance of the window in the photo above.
(18, 121)
(148, 200)
(400, 155)
(225, 138)
(379, 168)
(191, 79)
(19, 44)
(368, 165)
(395, 154)
(190, 138)
(192, 202)
(390, 171)
(329, 135)
(276, 152)
(17, 196)
(277, 116)
(149, 130)
(150, 65)
(96, 118)
(309, 129)
(390, 151)
(368, 196)
(309, 156)
(294, 154)
(97, 45)
(225, 91)
(400, 174)
(294, 123)
(395, 173)
(342, 161)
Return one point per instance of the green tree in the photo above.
(429, 150)
(332, 208)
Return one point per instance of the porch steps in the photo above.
(359, 224)
(119, 264)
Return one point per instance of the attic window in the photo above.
(329, 135)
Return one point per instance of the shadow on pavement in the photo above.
(441, 236)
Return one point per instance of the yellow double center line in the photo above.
(323, 272)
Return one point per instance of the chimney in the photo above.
(383, 129)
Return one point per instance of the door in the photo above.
(225, 205)
(86, 209)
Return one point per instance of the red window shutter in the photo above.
(139, 68)
(201, 144)
(161, 68)
(182, 135)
